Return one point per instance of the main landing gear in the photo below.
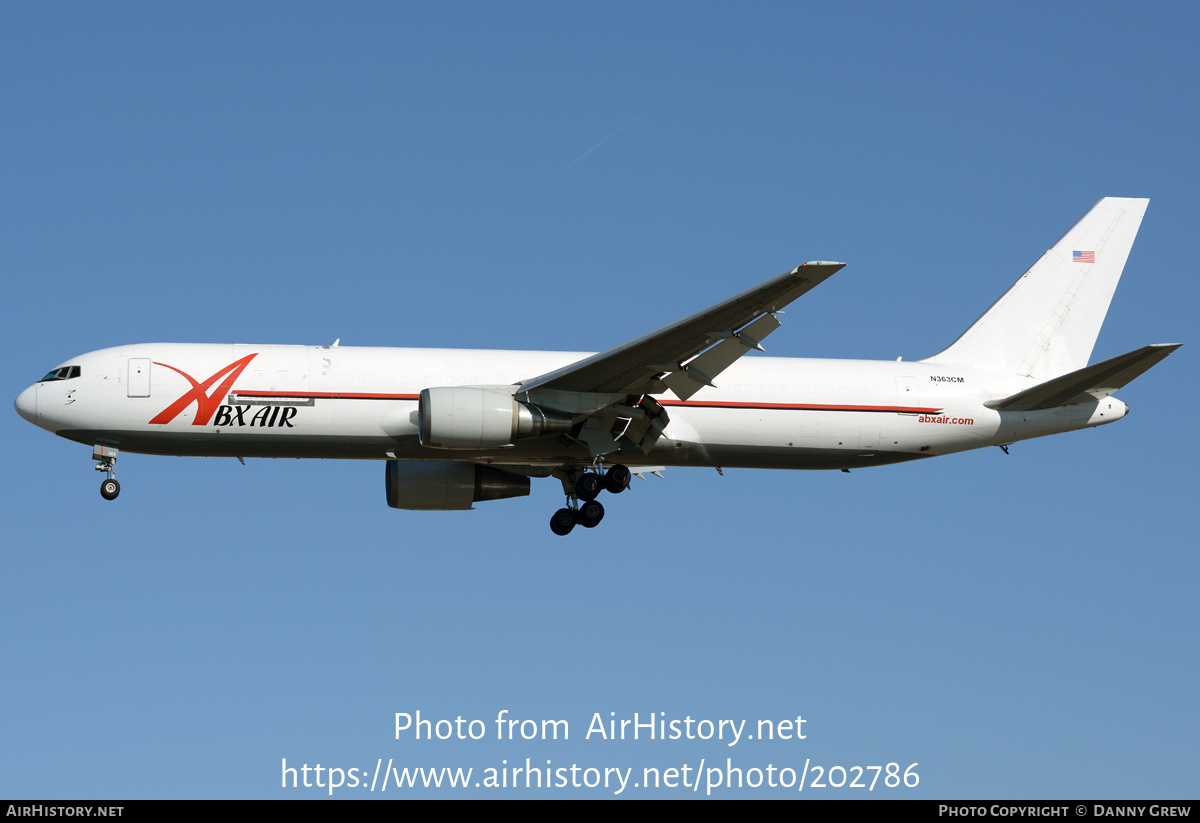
(107, 455)
(582, 507)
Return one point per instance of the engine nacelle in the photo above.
(471, 417)
(443, 485)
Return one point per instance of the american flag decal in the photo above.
(1083, 256)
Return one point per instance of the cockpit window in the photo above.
(63, 373)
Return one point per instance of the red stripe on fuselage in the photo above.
(733, 404)
(691, 404)
(345, 395)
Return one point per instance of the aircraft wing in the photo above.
(688, 354)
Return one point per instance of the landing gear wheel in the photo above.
(588, 486)
(590, 513)
(562, 522)
(110, 488)
(616, 479)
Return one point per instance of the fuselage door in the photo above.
(139, 377)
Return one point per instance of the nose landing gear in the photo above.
(107, 455)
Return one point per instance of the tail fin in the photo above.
(1047, 323)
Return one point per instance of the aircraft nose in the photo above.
(26, 404)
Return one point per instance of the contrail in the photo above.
(601, 143)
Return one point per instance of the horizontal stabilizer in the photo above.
(1089, 383)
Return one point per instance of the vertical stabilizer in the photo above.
(1047, 323)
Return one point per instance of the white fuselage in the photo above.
(347, 402)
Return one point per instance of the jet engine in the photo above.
(444, 485)
(470, 417)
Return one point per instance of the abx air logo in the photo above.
(206, 404)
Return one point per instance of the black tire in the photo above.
(590, 514)
(562, 522)
(588, 486)
(616, 479)
(110, 488)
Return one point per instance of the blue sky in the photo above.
(565, 176)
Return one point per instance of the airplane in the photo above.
(455, 427)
